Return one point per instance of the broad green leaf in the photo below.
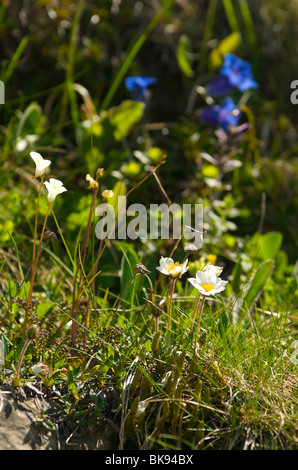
(258, 283)
(43, 309)
(134, 291)
(264, 247)
(123, 117)
(270, 244)
(226, 46)
(79, 216)
(128, 263)
(183, 54)
(281, 264)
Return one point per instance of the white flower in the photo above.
(170, 268)
(107, 194)
(92, 183)
(217, 270)
(41, 163)
(54, 188)
(207, 282)
(40, 369)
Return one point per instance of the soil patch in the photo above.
(35, 422)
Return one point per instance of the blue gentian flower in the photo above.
(224, 116)
(138, 87)
(234, 73)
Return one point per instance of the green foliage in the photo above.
(228, 45)
(183, 55)
(258, 283)
(226, 391)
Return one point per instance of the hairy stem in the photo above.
(199, 320)
(33, 272)
(171, 301)
(195, 311)
(17, 376)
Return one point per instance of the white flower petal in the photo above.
(170, 268)
(54, 188)
(164, 262)
(208, 283)
(40, 162)
(217, 270)
(162, 270)
(176, 271)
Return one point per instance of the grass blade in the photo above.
(132, 54)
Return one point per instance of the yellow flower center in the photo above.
(211, 259)
(207, 286)
(171, 266)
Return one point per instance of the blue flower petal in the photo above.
(229, 114)
(210, 115)
(238, 72)
(224, 116)
(219, 86)
(137, 86)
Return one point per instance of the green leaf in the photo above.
(122, 118)
(183, 54)
(236, 276)
(226, 46)
(119, 190)
(270, 244)
(43, 309)
(128, 263)
(258, 283)
(281, 264)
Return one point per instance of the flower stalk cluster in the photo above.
(78, 286)
(207, 282)
(54, 187)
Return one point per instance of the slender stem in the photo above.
(194, 311)
(17, 376)
(84, 247)
(90, 293)
(156, 324)
(41, 238)
(124, 291)
(199, 320)
(171, 301)
(33, 272)
(162, 188)
(36, 219)
(87, 233)
(34, 245)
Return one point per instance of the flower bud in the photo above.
(33, 332)
(141, 269)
